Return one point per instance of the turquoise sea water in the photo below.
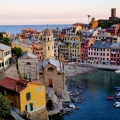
(96, 87)
(17, 28)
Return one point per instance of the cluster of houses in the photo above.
(41, 66)
(78, 43)
(41, 80)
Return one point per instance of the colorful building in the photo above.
(25, 45)
(115, 54)
(5, 56)
(86, 43)
(113, 30)
(99, 53)
(25, 95)
(38, 50)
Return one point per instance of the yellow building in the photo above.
(70, 50)
(25, 95)
(23, 44)
(5, 56)
(72, 38)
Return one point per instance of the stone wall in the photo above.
(40, 114)
(11, 71)
(32, 68)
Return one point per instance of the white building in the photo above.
(99, 53)
(5, 56)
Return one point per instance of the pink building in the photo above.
(99, 53)
(113, 30)
(84, 48)
(37, 50)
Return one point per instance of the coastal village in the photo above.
(35, 82)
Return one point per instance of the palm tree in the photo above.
(88, 18)
(93, 19)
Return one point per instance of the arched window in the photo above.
(28, 63)
(48, 38)
(58, 73)
(50, 69)
(40, 73)
(48, 48)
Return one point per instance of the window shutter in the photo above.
(25, 107)
(28, 96)
(31, 105)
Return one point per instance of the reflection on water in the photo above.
(96, 87)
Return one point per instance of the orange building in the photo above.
(94, 24)
(37, 50)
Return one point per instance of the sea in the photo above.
(17, 28)
(96, 86)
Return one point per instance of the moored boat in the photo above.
(117, 104)
(110, 98)
(118, 95)
(117, 71)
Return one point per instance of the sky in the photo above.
(15, 12)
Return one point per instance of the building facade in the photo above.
(5, 56)
(99, 53)
(25, 95)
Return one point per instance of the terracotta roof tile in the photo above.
(61, 35)
(13, 84)
(16, 85)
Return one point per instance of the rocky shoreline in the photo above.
(75, 89)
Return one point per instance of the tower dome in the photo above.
(48, 32)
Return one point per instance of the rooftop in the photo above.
(16, 85)
(100, 44)
(4, 47)
(27, 54)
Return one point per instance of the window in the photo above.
(48, 48)
(40, 73)
(107, 54)
(28, 96)
(29, 107)
(48, 38)
(58, 73)
(50, 69)
(28, 63)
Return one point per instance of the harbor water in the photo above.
(96, 87)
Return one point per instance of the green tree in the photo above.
(1, 36)
(5, 108)
(88, 18)
(17, 51)
(6, 41)
(92, 19)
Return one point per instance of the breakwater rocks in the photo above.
(75, 92)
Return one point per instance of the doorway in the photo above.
(50, 83)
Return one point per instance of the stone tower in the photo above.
(113, 12)
(48, 44)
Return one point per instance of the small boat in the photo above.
(117, 71)
(118, 95)
(117, 88)
(110, 98)
(117, 104)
